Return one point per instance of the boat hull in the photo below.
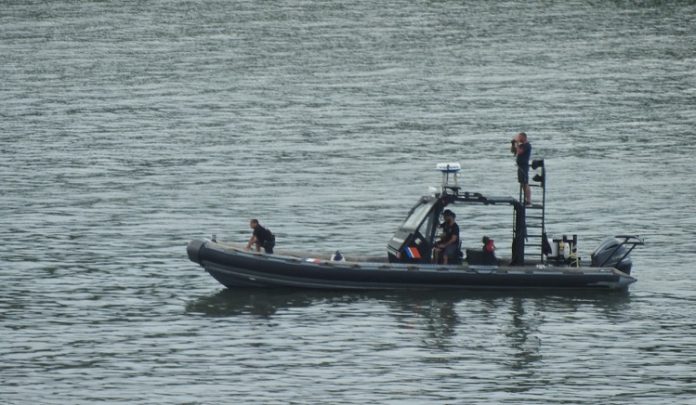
(234, 267)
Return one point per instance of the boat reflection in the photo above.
(514, 318)
(264, 302)
(439, 307)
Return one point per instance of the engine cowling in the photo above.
(613, 253)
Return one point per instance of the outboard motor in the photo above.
(613, 252)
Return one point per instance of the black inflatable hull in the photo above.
(237, 268)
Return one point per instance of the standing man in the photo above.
(523, 152)
(448, 246)
(261, 237)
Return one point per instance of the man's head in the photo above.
(253, 223)
(449, 215)
(521, 137)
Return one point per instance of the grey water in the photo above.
(128, 128)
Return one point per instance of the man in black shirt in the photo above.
(261, 237)
(448, 246)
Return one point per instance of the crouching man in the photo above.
(261, 237)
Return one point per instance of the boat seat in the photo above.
(474, 256)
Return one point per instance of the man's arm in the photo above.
(520, 148)
(252, 240)
(453, 239)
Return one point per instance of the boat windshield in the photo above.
(419, 213)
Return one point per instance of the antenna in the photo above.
(450, 176)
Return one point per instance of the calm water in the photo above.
(129, 128)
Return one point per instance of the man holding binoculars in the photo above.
(523, 152)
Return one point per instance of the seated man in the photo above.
(488, 246)
(448, 246)
(485, 256)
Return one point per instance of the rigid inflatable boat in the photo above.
(536, 261)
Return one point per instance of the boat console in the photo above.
(414, 240)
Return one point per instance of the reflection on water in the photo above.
(443, 315)
(259, 302)
(429, 304)
(439, 313)
(523, 335)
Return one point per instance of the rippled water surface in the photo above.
(129, 128)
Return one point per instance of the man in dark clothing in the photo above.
(523, 152)
(261, 237)
(448, 246)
